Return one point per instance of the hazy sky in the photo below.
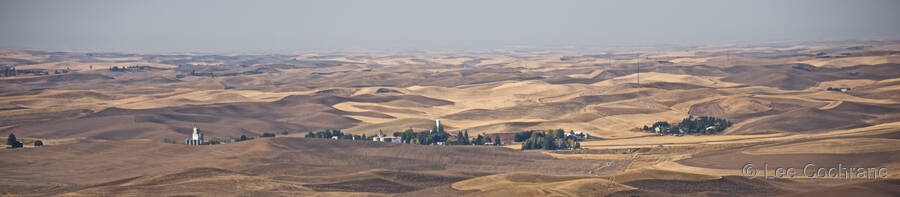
(337, 24)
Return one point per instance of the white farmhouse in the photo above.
(383, 138)
(578, 134)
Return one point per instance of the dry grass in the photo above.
(521, 184)
(831, 146)
(853, 61)
(656, 174)
(110, 124)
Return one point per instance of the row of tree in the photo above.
(128, 68)
(423, 137)
(838, 89)
(522, 136)
(462, 138)
(690, 125)
(409, 136)
(330, 133)
(215, 141)
(12, 71)
(553, 139)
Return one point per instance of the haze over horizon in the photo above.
(426, 98)
(291, 25)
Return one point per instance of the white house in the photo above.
(578, 134)
(383, 138)
(196, 138)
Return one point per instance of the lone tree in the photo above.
(38, 143)
(11, 139)
(13, 142)
(466, 138)
(497, 140)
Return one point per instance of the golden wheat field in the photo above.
(113, 124)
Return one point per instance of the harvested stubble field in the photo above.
(104, 129)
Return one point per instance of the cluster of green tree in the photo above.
(13, 142)
(522, 136)
(268, 135)
(462, 138)
(838, 89)
(690, 125)
(243, 138)
(213, 141)
(16, 72)
(199, 74)
(7, 71)
(409, 136)
(57, 71)
(553, 139)
(169, 141)
(423, 137)
(129, 68)
(12, 71)
(330, 133)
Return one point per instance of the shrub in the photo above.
(13, 142)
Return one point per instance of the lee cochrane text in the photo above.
(812, 171)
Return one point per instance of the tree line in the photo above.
(552, 139)
(410, 136)
(703, 125)
(423, 137)
(462, 138)
(7, 70)
(330, 133)
(838, 89)
(128, 68)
